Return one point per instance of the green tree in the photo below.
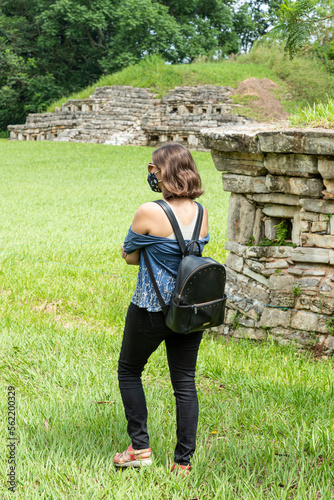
(298, 21)
(253, 20)
(49, 48)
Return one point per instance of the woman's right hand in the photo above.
(123, 254)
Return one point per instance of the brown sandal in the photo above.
(133, 458)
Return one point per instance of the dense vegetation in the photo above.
(54, 48)
(49, 48)
(302, 80)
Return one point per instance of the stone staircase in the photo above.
(127, 115)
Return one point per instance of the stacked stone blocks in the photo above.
(279, 177)
(128, 115)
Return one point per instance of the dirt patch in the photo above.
(56, 309)
(258, 95)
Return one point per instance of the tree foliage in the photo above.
(49, 48)
(298, 21)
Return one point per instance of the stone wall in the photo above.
(127, 115)
(279, 179)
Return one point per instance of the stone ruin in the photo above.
(133, 116)
(282, 187)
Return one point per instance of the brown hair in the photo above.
(178, 172)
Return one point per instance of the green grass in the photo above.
(159, 77)
(301, 81)
(266, 412)
(318, 115)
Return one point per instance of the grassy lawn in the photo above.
(266, 412)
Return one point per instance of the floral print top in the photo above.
(164, 255)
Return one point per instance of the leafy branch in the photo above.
(296, 23)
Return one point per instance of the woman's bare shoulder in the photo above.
(148, 208)
(146, 213)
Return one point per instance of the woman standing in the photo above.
(173, 172)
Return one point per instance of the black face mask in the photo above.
(153, 182)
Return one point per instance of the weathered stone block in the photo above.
(282, 299)
(229, 316)
(258, 226)
(294, 185)
(296, 229)
(326, 286)
(281, 282)
(291, 164)
(246, 322)
(269, 252)
(239, 163)
(304, 226)
(307, 282)
(244, 184)
(317, 142)
(277, 264)
(245, 142)
(241, 214)
(270, 231)
(331, 257)
(319, 226)
(255, 276)
(279, 198)
(296, 272)
(235, 262)
(235, 248)
(254, 265)
(301, 320)
(303, 302)
(329, 183)
(272, 317)
(317, 255)
(241, 286)
(308, 216)
(249, 333)
(314, 272)
(327, 195)
(288, 336)
(326, 167)
(322, 305)
(317, 240)
(282, 211)
(320, 206)
(328, 344)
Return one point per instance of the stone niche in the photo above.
(280, 269)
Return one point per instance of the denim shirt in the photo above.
(164, 255)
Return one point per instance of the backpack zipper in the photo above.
(205, 303)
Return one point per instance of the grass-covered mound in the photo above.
(266, 412)
(301, 81)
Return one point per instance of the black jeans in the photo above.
(143, 333)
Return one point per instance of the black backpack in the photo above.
(198, 300)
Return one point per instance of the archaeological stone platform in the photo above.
(278, 178)
(124, 115)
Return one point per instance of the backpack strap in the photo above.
(156, 288)
(172, 219)
(197, 228)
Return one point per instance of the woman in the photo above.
(173, 172)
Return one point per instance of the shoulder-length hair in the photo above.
(178, 172)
